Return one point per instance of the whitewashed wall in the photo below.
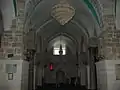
(14, 84)
(106, 75)
(101, 76)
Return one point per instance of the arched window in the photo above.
(56, 49)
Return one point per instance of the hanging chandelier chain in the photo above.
(60, 51)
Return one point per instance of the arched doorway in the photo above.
(77, 27)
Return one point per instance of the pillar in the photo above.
(30, 84)
(83, 75)
(91, 69)
(83, 71)
(88, 76)
(39, 75)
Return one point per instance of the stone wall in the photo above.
(110, 38)
(12, 40)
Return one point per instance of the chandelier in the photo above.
(63, 12)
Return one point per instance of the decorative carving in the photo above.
(63, 12)
(29, 54)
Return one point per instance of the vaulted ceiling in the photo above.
(83, 16)
(82, 24)
(8, 12)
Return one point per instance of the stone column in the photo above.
(83, 71)
(30, 84)
(92, 69)
(39, 75)
(83, 75)
(88, 77)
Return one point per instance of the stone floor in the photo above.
(62, 87)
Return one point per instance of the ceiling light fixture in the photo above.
(63, 12)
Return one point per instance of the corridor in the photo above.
(59, 44)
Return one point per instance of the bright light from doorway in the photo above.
(56, 50)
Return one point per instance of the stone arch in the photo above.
(70, 37)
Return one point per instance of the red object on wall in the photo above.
(51, 66)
